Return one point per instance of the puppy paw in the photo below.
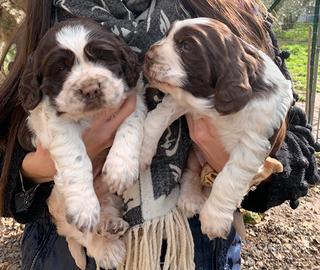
(84, 213)
(113, 225)
(215, 223)
(110, 255)
(191, 205)
(120, 173)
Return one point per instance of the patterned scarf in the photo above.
(150, 205)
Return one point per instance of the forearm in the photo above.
(34, 171)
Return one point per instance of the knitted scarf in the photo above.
(150, 205)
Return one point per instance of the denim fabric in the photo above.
(217, 254)
(44, 249)
(233, 256)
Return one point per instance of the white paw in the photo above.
(111, 254)
(83, 212)
(215, 223)
(191, 205)
(120, 172)
(113, 225)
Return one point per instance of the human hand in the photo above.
(39, 167)
(206, 137)
(102, 130)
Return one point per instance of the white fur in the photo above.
(105, 247)
(62, 137)
(74, 203)
(74, 180)
(194, 21)
(244, 135)
(169, 61)
(74, 38)
(191, 199)
(121, 168)
(85, 74)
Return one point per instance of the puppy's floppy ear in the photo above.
(232, 87)
(130, 65)
(29, 87)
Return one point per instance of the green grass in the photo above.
(297, 65)
(296, 42)
(299, 34)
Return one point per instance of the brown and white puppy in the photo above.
(78, 70)
(103, 244)
(206, 70)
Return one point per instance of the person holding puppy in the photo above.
(160, 236)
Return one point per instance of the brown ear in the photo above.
(29, 87)
(233, 86)
(131, 66)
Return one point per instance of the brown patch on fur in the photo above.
(246, 18)
(270, 166)
(48, 67)
(277, 139)
(221, 66)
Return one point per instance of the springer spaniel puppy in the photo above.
(78, 70)
(206, 70)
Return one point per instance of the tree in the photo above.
(11, 14)
(289, 11)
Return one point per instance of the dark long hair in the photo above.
(237, 14)
(35, 25)
(244, 17)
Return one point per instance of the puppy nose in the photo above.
(151, 54)
(148, 56)
(91, 91)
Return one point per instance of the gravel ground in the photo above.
(285, 239)
(10, 238)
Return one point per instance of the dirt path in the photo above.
(286, 239)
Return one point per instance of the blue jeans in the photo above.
(217, 254)
(44, 249)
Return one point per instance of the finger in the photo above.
(126, 109)
(193, 161)
(212, 129)
(40, 148)
(97, 167)
(104, 116)
(201, 125)
(43, 151)
(190, 124)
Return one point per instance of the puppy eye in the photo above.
(186, 46)
(61, 68)
(120, 73)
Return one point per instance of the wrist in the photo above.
(33, 170)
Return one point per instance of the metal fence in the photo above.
(298, 30)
